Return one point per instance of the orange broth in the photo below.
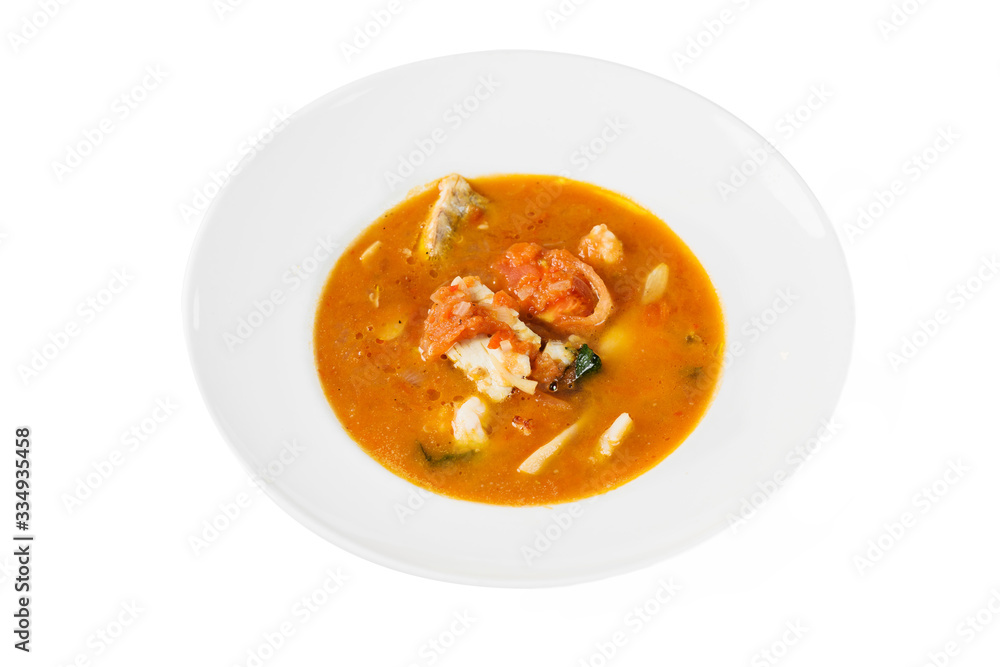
(660, 362)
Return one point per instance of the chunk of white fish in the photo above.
(613, 437)
(496, 371)
(483, 296)
(553, 360)
(540, 456)
(455, 203)
(559, 352)
(467, 425)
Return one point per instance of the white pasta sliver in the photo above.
(656, 284)
(615, 434)
(370, 251)
(534, 463)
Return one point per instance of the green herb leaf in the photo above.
(587, 362)
(439, 459)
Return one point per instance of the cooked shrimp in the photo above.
(601, 246)
(556, 287)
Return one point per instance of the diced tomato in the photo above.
(555, 286)
(453, 317)
(503, 300)
(547, 282)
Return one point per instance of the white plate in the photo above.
(323, 178)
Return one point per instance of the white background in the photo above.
(795, 561)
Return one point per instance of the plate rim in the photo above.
(306, 517)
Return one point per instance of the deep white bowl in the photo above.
(274, 232)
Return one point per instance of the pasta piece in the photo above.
(370, 252)
(613, 437)
(534, 463)
(656, 284)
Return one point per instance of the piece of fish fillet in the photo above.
(553, 361)
(456, 203)
(497, 371)
(467, 425)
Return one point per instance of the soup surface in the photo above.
(518, 339)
